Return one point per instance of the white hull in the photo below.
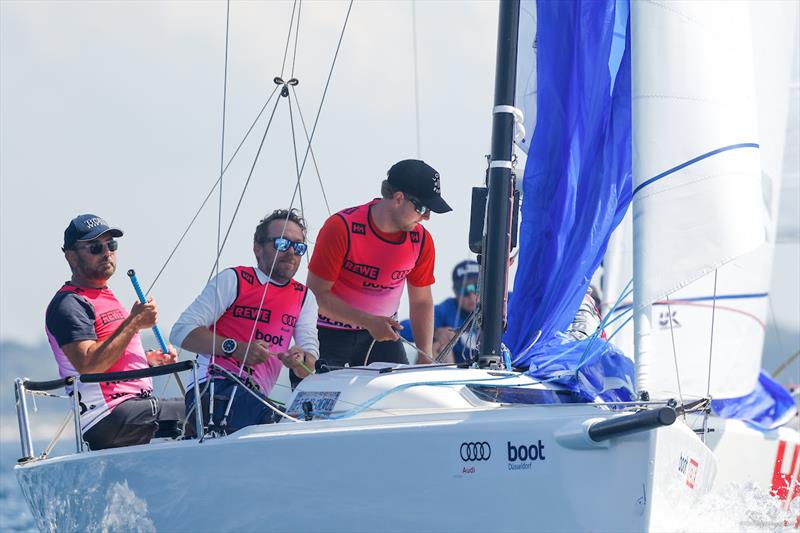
(384, 470)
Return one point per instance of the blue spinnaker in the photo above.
(577, 187)
(769, 406)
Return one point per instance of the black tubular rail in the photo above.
(108, 377)
(162, 370)
(53, 384)
(625, 425)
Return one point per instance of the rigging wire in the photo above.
(711, 342)
(675, 353)
(416, 73)
(288, 39)
(244, 189)
(219, 210)
(296, 35)
(313, 157)
(211, 191)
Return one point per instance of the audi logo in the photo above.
(400, 274)
(289, 320)
(475, 451)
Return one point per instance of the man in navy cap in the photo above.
(449, 315)
(363, 258)
(91, 332)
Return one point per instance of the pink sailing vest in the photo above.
(274, 319)
(98, 399)
(374, 270)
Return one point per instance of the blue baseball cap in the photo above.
(86, 228)
(465, 270)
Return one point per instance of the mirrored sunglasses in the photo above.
(97, 248)
(466, 290)
(282, 245)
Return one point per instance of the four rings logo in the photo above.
(289, 320)
(475, 451)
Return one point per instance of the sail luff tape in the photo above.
(501, 164)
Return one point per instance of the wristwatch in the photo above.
(229, 346)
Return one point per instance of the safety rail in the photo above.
(22, 386)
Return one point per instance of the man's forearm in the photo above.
(201, 340)
(102, 355)
(422, 326)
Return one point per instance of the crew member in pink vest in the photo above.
(90, 332)
(362, 260)
(248, 317)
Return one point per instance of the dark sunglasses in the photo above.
(96, 248)
(282, 245)
(419, 207)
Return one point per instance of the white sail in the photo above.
(742, 284)
(525, 92)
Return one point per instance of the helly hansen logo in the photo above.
(252, 313)
(248, 277)
(365, 271)
(414, 236)
(360, 229)
(111, 316)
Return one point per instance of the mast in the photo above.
(497, 227)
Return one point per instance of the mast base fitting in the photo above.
(644, 396)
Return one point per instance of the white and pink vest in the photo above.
(374, 270)
(97, 400)
(274, 319)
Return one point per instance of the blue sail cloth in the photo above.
(768, 407)
(577, 187)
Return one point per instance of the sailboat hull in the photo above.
(507, 468)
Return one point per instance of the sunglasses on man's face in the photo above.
(419, 207)
(466, 290)
(282, 245)
(97, 248)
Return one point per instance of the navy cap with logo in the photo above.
(86, 228)
(419, 179)
(465, 271)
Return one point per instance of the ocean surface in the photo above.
(14, 513)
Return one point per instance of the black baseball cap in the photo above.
(86, 228)
(418, 179)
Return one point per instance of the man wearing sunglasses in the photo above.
(449, 315)
(247, 317)
(91, 332)
(362, 259)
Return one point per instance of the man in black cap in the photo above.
(91, 332)
(362, 259)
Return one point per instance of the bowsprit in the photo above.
(475, 451)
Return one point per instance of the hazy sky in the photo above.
(115, 108)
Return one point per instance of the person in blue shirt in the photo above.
(450, 314)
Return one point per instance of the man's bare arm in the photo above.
(420, 310)
(88, 356)
(201, 340)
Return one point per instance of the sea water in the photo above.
(14, 512)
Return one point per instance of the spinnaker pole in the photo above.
(497, 226)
